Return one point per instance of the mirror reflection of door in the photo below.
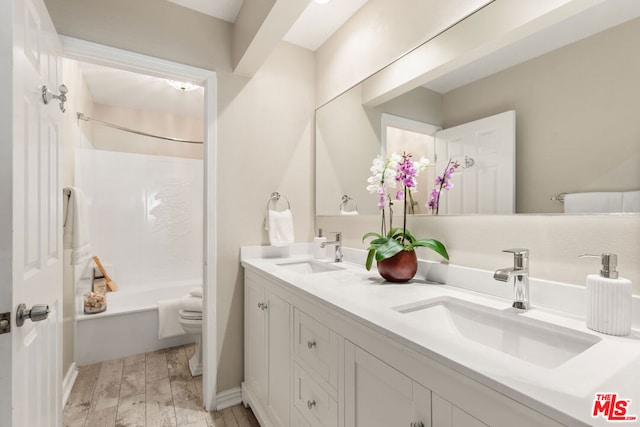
(401, 135)
(485, 181)
(485, 149)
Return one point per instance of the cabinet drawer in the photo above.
(314, 402)
(317, 347)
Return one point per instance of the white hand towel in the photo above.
(169, 319)
(76, 225)
(280, 229)
(348, 212)
(631, 202)
(598, 202)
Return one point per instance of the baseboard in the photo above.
(68, 381)
(228, 398)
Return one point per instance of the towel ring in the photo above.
(274, 199)
(344, 204)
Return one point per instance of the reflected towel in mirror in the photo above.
(602, 202)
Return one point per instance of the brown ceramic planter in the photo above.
(399, 268)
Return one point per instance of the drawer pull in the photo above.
(262, 305)
(311, 404)
(311, 344)
(418, 424)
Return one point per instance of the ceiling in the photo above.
(114, 87)
(125, 89)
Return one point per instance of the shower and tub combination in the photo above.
(146, 225)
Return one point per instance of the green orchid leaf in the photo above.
(389, 249)
(393, 233)
(375, 244)
(370, 256)
(434, 245)
(372, 234)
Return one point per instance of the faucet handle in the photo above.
(520, 258)
(517, 251)
(338, 235)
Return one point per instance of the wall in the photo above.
(160, 29)
(557, 117)
(265, 132)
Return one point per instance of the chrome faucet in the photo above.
(520, 274)
(337, 243)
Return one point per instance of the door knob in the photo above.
(37, 313)
(47, 96)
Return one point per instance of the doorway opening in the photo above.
(163, 191)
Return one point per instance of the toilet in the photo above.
(191, 321)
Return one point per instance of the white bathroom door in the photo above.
(30, 216)
(485, 181)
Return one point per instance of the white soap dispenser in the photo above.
(608, 298)
(319, 251)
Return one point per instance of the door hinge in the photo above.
(5, 323)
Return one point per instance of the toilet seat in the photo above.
(190, 315)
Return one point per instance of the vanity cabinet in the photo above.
(377, 395)
(267, 352)
(308, 364)
(445, 414)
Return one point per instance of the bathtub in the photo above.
(129, 325)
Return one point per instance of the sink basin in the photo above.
(534, 341)
(309, 266)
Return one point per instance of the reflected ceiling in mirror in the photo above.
(576, 132)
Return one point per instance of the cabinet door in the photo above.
(447, 415)
(377, 395)
(255, 339)
(279, 359)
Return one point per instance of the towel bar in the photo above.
(274, 199)
(344, 204)
(559, 197)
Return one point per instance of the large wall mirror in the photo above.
(577, 109)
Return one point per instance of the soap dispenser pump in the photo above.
(608, 298)
(319, 251)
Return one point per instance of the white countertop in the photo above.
(612, 365)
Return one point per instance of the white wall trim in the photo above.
(68, 382)
(82, 50)
(229, 398)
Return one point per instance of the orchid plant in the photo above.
(397, 173)
(443, 182)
